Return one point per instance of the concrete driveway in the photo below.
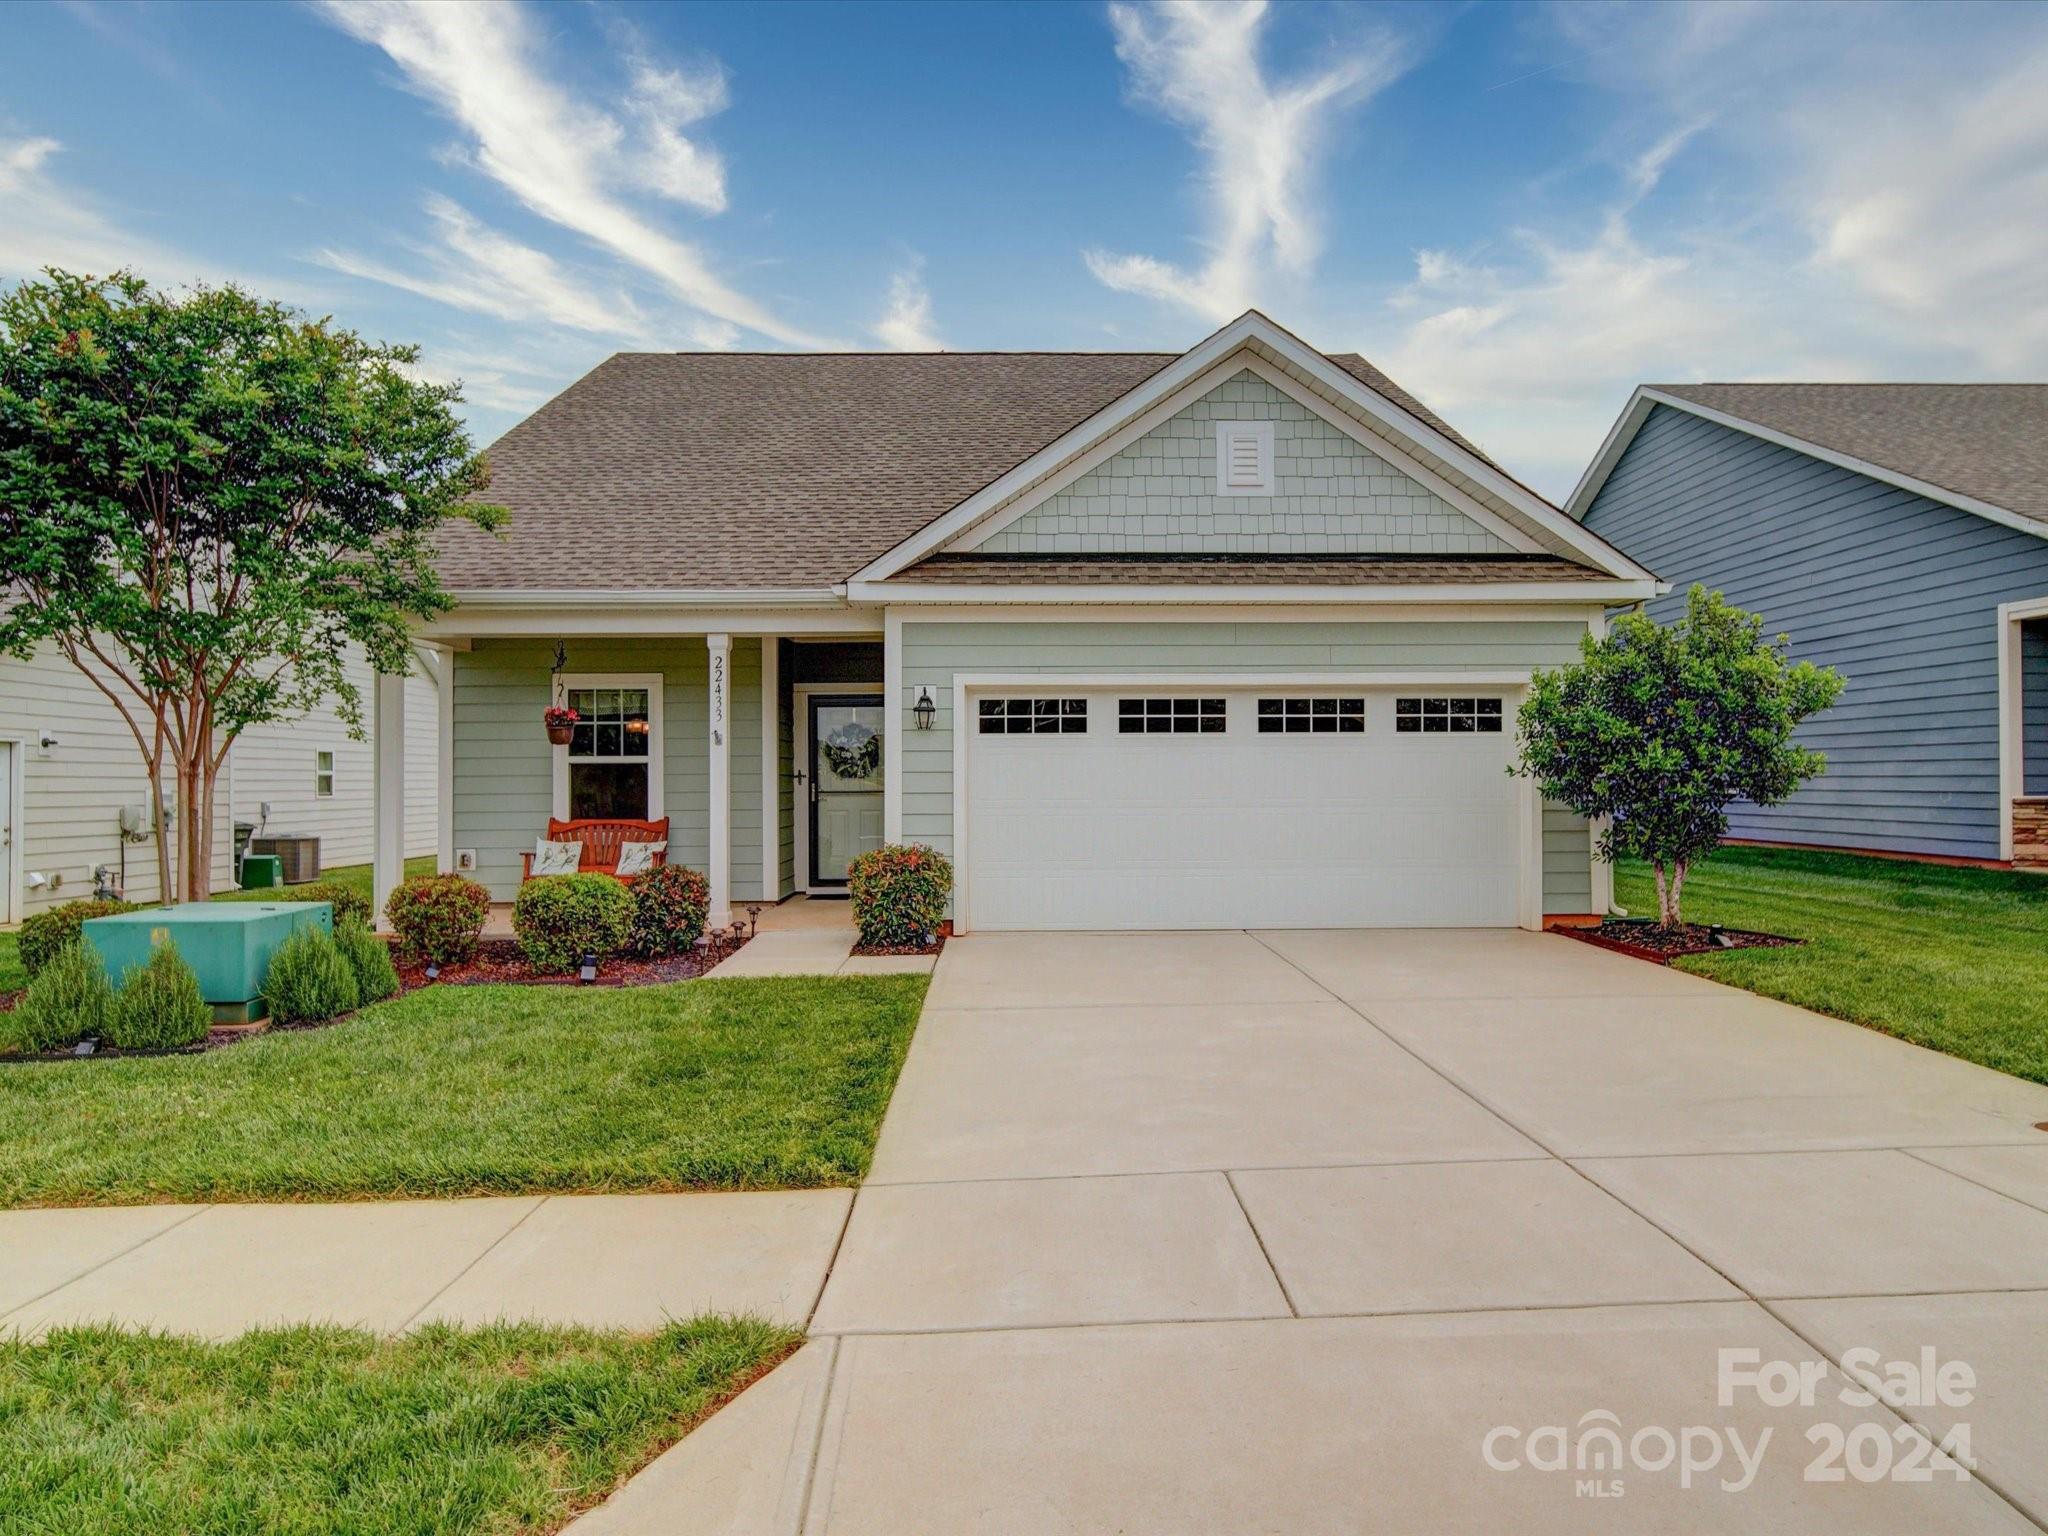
(1184, 1233)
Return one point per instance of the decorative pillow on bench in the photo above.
(638, 858)
(556, 858)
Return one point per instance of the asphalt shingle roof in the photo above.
(724, 471)
(1987, 441)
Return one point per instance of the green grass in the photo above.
(750, 1084)
(333, 1432)
(359, 876)
(1947, 958)
(12, 976)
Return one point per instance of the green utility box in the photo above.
(262, 871)
(227, 943)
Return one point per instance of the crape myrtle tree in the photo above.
(1661, 726)
(205, 498)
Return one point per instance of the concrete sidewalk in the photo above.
(607, 1261)
(812, 936)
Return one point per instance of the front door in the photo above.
(846, 783)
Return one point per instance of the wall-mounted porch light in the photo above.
(925, 709)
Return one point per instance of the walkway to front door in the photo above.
(1177, 1233)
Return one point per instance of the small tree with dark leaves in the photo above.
(1660, 727)
(205, 499)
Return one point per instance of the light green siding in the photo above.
(504, 767)
(1332, 494)
(934, 652)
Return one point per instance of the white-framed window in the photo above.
(1244, 458)
(1170, 717)
(1447, 716)
(1033, 717)
(1342, 714)
(323, 775)
(612, 766)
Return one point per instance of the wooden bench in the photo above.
(600, 839)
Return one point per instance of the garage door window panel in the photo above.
(1432, 715)
(1033, 717)
(1312, 716)
(1170, 717)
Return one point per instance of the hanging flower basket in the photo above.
(561, 724)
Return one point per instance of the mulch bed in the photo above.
(1647, 941)
(937, 944)
(500, 962)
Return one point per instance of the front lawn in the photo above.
(361, 877)
(1947, 958)
(767, 1083)
(334, 1432)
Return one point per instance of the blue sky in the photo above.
(1518, 211)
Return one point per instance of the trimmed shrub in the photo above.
(48, 934)
(669, 903)
(67, 1002)
(351, 903)
(309, 980)
(899, 893)
(561, 917)
(159, 1006)
(438, 918)
(370, 958)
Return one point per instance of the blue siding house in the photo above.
(1896, 532)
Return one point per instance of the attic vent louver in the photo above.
(1244, 458)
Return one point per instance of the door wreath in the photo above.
(853, 751)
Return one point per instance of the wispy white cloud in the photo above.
(1198, 62)
(481, 270)
(664, 101)
(906, 325)
(1844, 240)
(566, 159)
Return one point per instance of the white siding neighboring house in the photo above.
(61, 803)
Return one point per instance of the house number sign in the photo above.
(717, 699)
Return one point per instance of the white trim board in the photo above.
(14, 892)
(1347, 613)
(1249, 328)
(1529, 879)
(800, 758)
(657, 752)
(771, 765)
(1245, 361)
(1646, 399)
(2012, 734)
(1613, 593)
(621, 617)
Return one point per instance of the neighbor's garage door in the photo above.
(1207, 807)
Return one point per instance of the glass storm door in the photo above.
(846, 783)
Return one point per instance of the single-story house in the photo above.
(1230, 637)
(1896, 532)
(70, 771)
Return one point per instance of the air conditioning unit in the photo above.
(299, 853)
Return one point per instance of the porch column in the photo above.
(719, 704)
(387, 784)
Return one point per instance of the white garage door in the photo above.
(1211, 807)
